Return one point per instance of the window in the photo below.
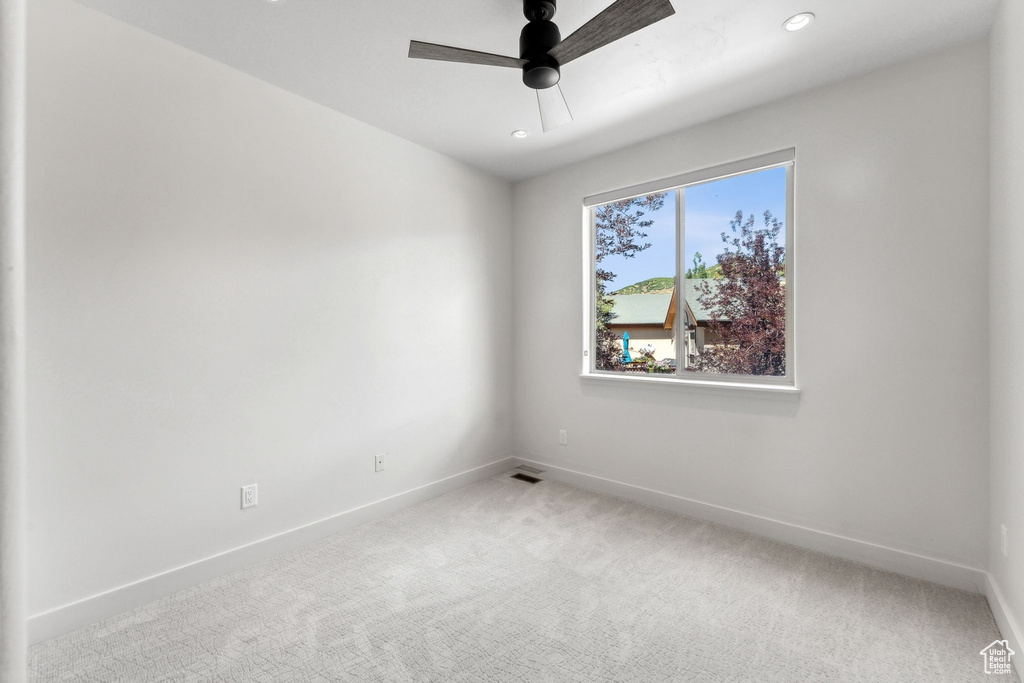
(691, 278)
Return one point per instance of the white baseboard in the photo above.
(89, 610)
(882, 557)
(1008, 625)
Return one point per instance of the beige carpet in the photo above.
(508, 581)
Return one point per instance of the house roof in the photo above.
(693, 303)
(659, 309)
(640, 309)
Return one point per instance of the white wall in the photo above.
(1007, 302)
(887, 443)
(228, 284)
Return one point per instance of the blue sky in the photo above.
(709, 208)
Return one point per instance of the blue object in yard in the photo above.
(625, 348)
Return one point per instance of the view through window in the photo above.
(725, 313)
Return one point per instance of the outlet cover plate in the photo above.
(378, 462)
(249, 496)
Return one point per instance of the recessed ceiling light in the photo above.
(799, 21)
(520, 133)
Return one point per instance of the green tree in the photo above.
(702, 271)
(619, 231)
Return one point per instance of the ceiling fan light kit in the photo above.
(542, 52)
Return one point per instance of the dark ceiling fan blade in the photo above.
(444, 53)
(554, 112)
(618, 20)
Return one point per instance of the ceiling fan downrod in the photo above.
(537, 39)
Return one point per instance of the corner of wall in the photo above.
(1006, 296)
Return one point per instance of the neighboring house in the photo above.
(650, 319)
(643, 317)
(696, 318)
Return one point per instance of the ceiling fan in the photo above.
(542, 51)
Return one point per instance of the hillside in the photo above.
(654, 285)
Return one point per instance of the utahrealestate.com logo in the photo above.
(997, 658)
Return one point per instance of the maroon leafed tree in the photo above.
(747, 306)
(619, 231)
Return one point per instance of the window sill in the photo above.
(693, 384)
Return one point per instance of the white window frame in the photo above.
(678, 184)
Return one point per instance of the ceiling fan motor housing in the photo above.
(538, 37)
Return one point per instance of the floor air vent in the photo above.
(526, 477)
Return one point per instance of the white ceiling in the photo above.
(712, 58)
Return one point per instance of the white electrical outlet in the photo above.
(563, 437)
(248, 496)
(378, 462)
(1002, 530)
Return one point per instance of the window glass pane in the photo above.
(635, 255)
(735, 277)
